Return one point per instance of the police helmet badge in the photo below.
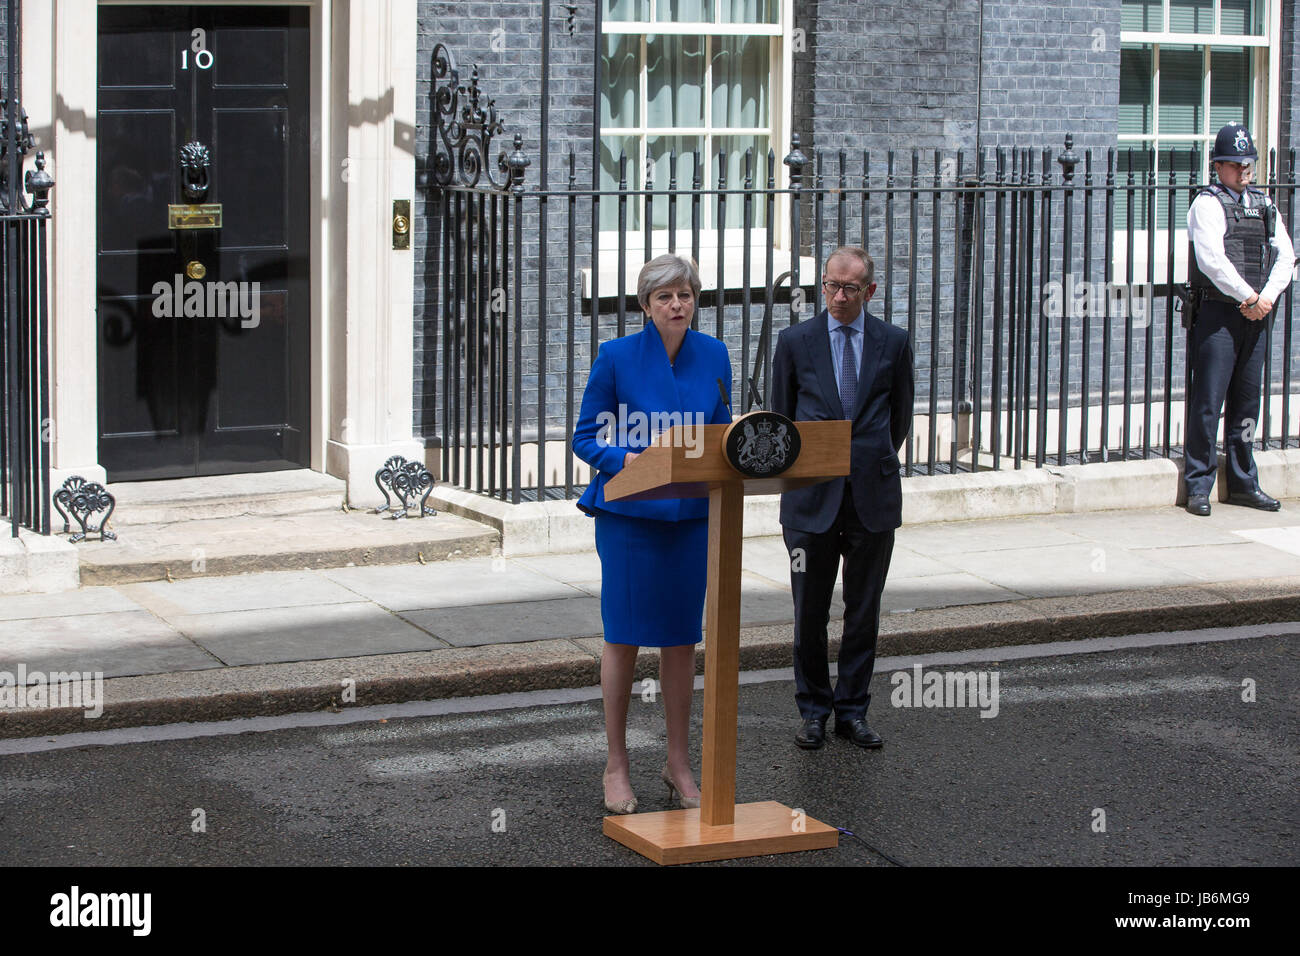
(762, 444)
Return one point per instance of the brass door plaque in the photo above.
(200, 216)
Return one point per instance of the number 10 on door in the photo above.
(203, 58)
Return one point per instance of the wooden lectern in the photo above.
(720, 829)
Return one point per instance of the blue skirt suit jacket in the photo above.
(653, 554)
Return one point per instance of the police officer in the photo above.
(1241, 262)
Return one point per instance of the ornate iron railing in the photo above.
(983, 258)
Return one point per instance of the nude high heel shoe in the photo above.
(619, 807)
(683, 801)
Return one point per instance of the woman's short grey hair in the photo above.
(666, 270)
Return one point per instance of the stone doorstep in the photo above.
(276, 689)
(558, 527)
(266, 506)
(248, 544)
(266, 494)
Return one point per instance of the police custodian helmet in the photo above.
(1234, 145)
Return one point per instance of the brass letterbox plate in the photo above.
(201, 216)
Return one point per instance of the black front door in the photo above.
(204, 334)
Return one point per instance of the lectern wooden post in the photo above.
(720, 829)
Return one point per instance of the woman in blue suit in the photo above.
(653, 554)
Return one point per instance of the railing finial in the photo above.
(796, 160)
(1068, 159)
(39, 183)
(516, 163)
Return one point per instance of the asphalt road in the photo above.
(1158, 738)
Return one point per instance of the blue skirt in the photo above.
(653, 578)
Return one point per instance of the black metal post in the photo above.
(12, 355)
(1068, 160)
(720, 294)
(977, 318)
(796, 160)
(544, 179)
(999, 254)
(571, 283)
(746, 295)
(1085, 396)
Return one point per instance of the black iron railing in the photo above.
(1037, 288)
(25, 423)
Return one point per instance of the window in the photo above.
(1188, 67)
(688, 76)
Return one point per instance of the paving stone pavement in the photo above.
(970, 574)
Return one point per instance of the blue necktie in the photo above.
(848, 373)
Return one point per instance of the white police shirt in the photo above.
(1205, 227)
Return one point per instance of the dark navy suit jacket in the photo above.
(633, 382)
(804, 389)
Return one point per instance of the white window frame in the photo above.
(1264, 122)
(780, 84)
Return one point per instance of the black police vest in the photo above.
(1245, 243)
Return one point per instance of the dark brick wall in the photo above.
(1048, 69)
(891, 74)
(1289, 121)
(901, 74)
(4, 45)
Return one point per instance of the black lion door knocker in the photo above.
(195, 161)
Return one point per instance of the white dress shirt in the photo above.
(1206, 225)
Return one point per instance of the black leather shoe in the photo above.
(1198, 505)
(812, 734)
(858, 732)
(1255, 499)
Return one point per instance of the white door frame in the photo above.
(362, 158)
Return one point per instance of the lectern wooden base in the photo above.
(677, 836)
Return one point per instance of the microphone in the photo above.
(722, 390)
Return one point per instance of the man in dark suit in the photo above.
(845, 363)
